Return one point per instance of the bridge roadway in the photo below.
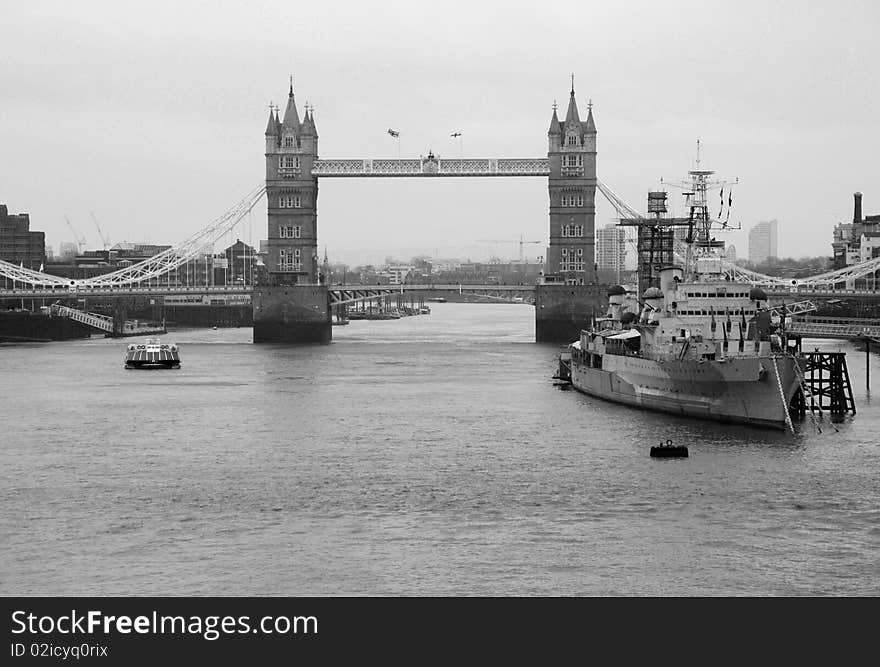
(366, 291)
(339, 294)
(64, 292)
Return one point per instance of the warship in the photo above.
(694, 342)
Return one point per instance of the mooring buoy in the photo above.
(669, 451)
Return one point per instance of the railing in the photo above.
(849, 321)
(64, 292)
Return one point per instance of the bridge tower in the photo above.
(293, 306)
(569, 297)
(572, 185)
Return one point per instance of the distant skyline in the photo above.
(154, 119)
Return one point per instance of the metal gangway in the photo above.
(105, 322)
(95, 320)
(834, 327)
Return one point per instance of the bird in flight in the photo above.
(455, 134)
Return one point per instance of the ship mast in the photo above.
(664, 239)
(699, 240)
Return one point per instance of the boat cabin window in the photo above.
(624, 347)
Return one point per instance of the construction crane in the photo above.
(104, 240)
(80, 240)
(520, 241)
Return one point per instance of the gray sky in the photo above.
(152, 114)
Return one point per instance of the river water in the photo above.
(426, 456)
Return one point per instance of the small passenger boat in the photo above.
(152, 354)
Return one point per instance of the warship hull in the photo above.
(751, 390)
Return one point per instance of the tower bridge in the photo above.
(295, 303)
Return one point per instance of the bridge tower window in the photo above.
(290, 231)
(290, 259)
(290, 201)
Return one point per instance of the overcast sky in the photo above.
(152, 115)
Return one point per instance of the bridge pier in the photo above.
(120, 314)
(561, 311)
(292, 314)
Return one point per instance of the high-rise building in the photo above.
(67, 251)
(763, 241)
(730, 253)
(611, 248)
(572, 184)
(18, 244)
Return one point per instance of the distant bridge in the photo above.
(339, 294)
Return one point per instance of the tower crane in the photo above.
(80, 240)
(520, 242)
(104, 240)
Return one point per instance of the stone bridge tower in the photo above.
(294, 306)
(292, 194)
(570, 297)
(572, 185)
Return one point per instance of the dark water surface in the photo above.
(425, 456)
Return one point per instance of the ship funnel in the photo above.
(668, 275)
(616, 296)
